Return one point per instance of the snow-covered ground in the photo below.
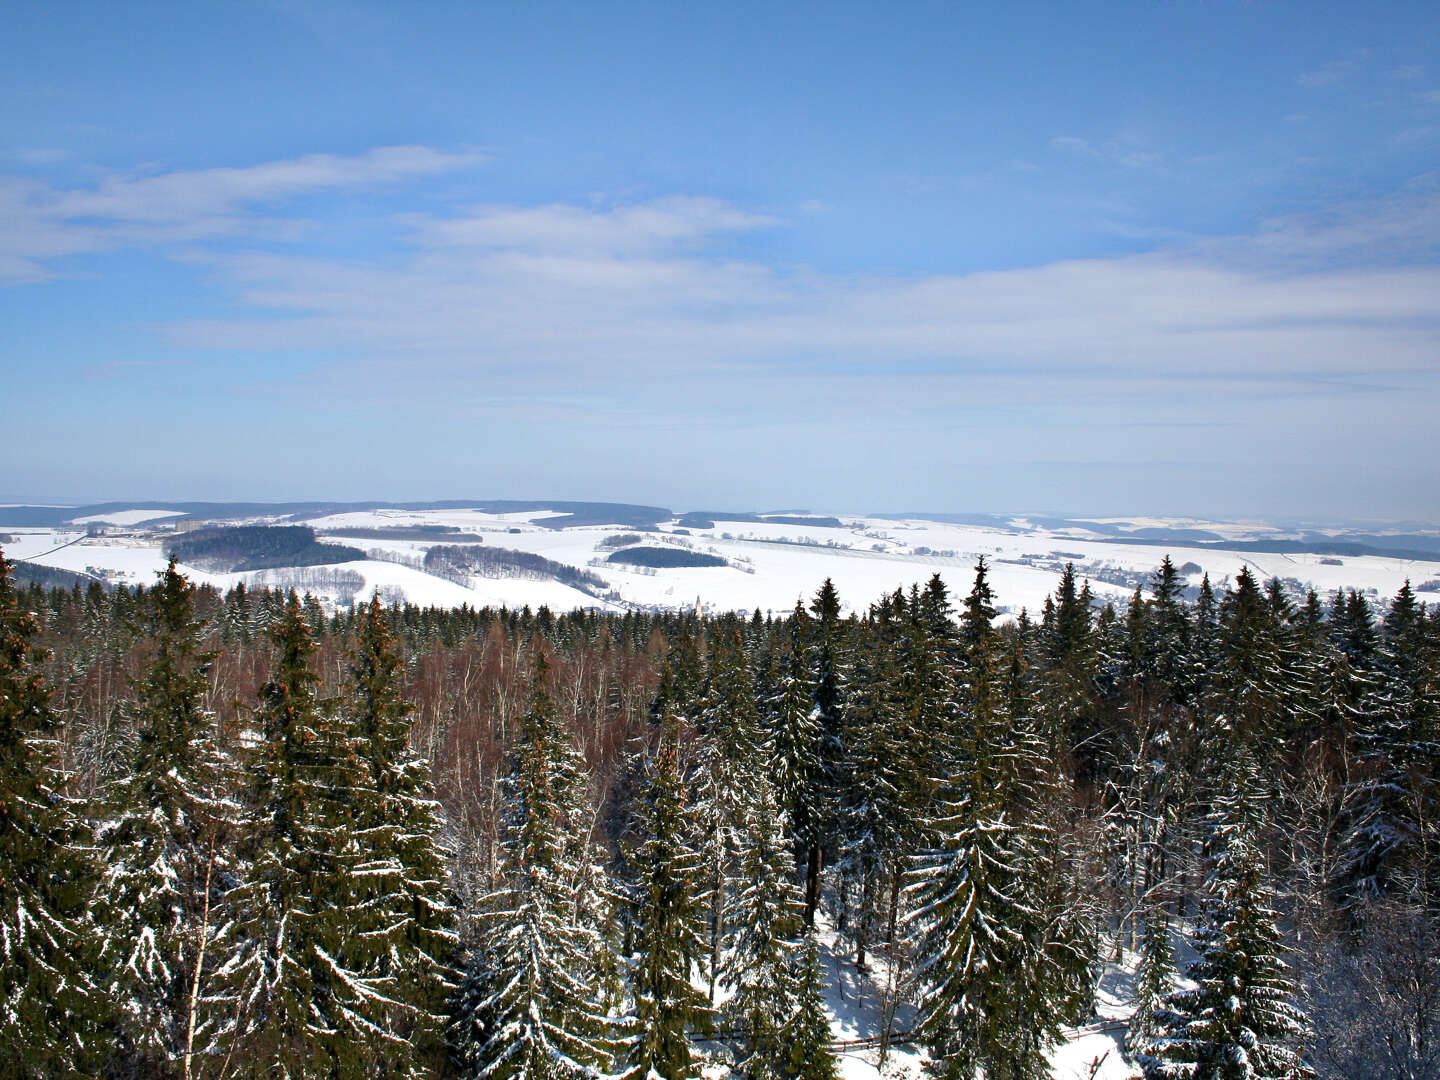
(770, 565)
(856, 1003)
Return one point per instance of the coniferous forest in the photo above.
(244, 837)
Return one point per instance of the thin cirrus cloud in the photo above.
(581, 296)
(46, 223)
(1335, 72)
(652, 226)
(650, 302)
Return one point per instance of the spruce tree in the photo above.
(1255, 679)
(829, 664)
(726, 775)
(1239, 1022)
(1154, 982)
(978, 934)
(165, 927)
(1397, 800)
(768, 913)
(534, 1014)
(1168, 634)
(401, 916)
(879, 775)
(308, 1014)
(668, 923)
(795, 742)
(51, 1013)
(807, 1035)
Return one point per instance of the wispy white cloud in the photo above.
(1335, 72)
(653, 226)
(1128, 150)
(45, 222)
(40, 155)
(1404, 226)
(637, 299)
(585, 307)
(1073, 144)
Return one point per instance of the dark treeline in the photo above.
(258, 547)
(457, 562)
(242, 837)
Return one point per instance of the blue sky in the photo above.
(1170, 257)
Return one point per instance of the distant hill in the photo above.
(573, 513)
(705, 519)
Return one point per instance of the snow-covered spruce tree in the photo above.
(50, 1010)
(534, 1014)
(767, 912)
(1239, 1022)
(829, 663)
(1166, 646)
(308, 1015)
(878, 775)
(1258, 680)
(1154, 982)
(807, 1035)
(165, 929)
(795, 740)
(1063, 702)
(900, 716)
(979, 938)
(1051, 982)
(401, 917)
(1393, 846)
(668, 923)
(731, 744)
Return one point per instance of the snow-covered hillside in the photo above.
(768, 564)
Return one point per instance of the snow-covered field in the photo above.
(769, 565)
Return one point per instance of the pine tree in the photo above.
(1372, 708)
(535, 1015)
(726, 775)
(795, 742)
(768, 912)
(1239, 1022)
(1154, 982)
(879, 773)
(50, 1011)
(979, 937)
(668, 923)
(309, 1015)
(401, 916)
(1399, 803)
(1168, 634)
(807, 1035)
(1256, 681)
(162, 904)
(829, 665)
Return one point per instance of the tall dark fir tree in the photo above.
(668, 923)
(51, 1013)
(308, 1014)
(166, 928)
(402, 916)
(529, 1010)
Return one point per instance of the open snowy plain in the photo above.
(768, 564)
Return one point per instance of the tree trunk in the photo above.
(812, 883)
